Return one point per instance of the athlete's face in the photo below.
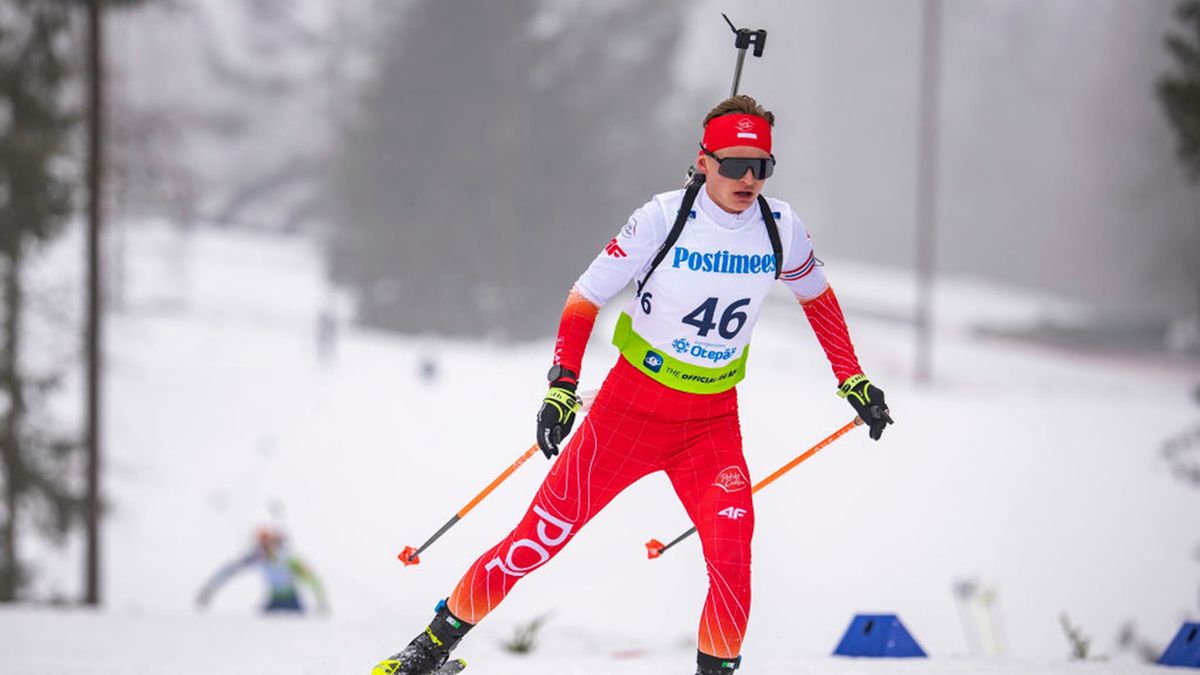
(732, 194)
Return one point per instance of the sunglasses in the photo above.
(736, 167)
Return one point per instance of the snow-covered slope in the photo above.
(1036, 473)
(48, 643)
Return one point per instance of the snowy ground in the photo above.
(1036, 472)
(52, 643)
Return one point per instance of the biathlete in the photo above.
(283, 571)
(669, 404)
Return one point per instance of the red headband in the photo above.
(727, 131)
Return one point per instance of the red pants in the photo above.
(637, 426)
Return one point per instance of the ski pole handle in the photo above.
(585, 402)
(410, 555)
(655, 548)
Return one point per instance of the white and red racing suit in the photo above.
(669, 404)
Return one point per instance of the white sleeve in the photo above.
(626, 255)
(802, 272)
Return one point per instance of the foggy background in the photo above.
(441, 154)
(338, 236)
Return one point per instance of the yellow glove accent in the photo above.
(852, 383)
(565, 400)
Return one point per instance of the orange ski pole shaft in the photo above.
(498, 480)
(806, 454)
(409, 556)
(655, 548)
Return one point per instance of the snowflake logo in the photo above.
(681, 345)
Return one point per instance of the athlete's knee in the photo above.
(733, 514)
(730, 562)
(728, 518)
(727, 553)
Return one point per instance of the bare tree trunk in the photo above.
(929, 116)
(10, 426)
(91, 576)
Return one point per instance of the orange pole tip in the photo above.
(654, 549)
(409, 556)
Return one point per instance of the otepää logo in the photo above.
(653, 361)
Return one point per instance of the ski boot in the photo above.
(429, 652)
(711, 665)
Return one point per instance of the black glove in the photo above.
(556, 416)
(867, 400)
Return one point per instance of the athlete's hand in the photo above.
(868, 402)
(556, 416)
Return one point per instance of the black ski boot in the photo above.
(428, 652)
(711, 665)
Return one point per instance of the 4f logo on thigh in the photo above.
(732, 512)
(538, 548)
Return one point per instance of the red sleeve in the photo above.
(574, 329)
(825, 316)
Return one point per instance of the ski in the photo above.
(452, 666)
(391, 667)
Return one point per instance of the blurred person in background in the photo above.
(669, 404)
(282, 570)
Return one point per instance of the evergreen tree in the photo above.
(35, 199)
(1179, 92)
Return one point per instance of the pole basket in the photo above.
(409, 556)
(654, 548)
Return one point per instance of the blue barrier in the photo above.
(880, 636)
(1184, 650)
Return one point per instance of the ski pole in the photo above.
(743, 40)
(410, 555)
(655, 548)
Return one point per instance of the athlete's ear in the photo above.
(701, 162)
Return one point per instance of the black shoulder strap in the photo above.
(773, 233)
(685, 208)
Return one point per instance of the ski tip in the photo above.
(654, 548)
(409, 556)
(388, 667)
